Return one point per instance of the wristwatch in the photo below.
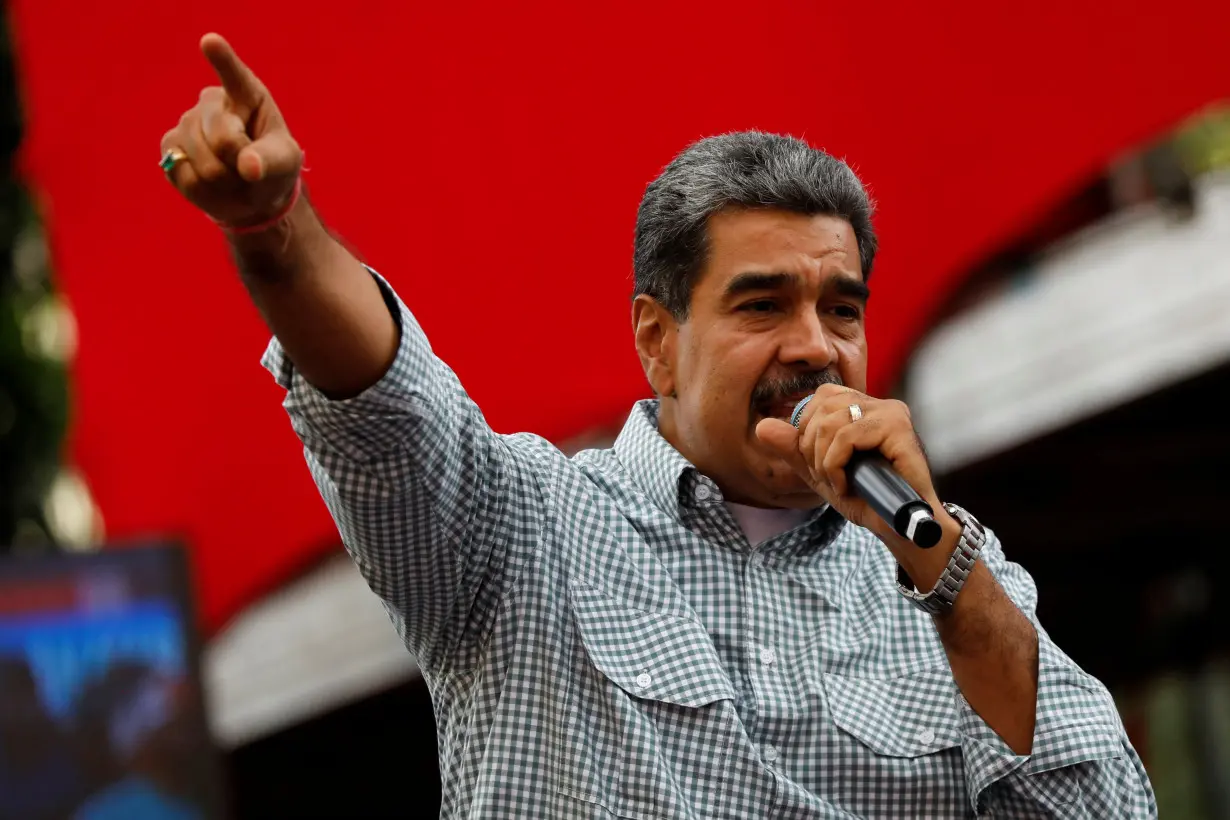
(944, 594)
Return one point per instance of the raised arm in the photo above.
(423, 492)
(241, 166)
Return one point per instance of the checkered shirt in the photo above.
(601, 640)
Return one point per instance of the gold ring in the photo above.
(170, 159)
(856, 412)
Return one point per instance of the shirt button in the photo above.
(926, 737)
(643, 680)
(768, 657)
(770, 754)
(703, 493)
(757, 559)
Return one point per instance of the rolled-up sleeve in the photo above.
(1081, 764)
(420, 488)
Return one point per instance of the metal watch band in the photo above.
(944, 594)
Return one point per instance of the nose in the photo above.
(806, 343)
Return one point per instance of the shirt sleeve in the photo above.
(1082, 762)
(426, 497)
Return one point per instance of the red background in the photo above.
(488, 158)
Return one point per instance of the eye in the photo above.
(759, 306)
(849, 312)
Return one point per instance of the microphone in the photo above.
(875, 481)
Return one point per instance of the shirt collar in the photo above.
(653, 463)
(660, 470)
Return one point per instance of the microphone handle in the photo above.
(874, 480)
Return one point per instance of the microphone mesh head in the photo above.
(798, 411)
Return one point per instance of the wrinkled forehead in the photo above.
(764, 240)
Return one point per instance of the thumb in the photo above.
(782, 438)
(270, 157)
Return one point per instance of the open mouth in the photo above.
(778, 408)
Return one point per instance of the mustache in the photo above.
(774, 390)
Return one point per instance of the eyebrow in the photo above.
(846, 286)
(748, 282)
(851, 288)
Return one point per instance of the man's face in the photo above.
(777, 311)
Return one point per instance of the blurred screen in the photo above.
(100, 704)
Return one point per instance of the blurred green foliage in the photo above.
(33, 384)
(1204, 141)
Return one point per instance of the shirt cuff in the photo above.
(1076, 722)
(361, 425)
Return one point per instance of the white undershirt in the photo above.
(760, 524)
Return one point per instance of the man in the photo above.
(701, 621)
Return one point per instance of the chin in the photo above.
(782, 487)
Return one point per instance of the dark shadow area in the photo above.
(370, 759)
(1121, 519)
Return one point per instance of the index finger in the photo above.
(241, 85)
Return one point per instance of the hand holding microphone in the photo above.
(872, 478)
(862, 455)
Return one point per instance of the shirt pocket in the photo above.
(650, 714)
(902, 738)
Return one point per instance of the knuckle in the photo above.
(223, 133)
(211, 93)
(211, 113)
(184, 179)
(212, 172)
(900, 408)
(220, 141)
(827, 462)
(823, 406)
(840, 438)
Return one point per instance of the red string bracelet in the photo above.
(272, 221)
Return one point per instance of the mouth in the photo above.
(779, 408)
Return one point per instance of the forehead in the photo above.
(743, 240)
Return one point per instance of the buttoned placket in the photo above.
(763, 662)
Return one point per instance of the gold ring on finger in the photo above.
(170, 159)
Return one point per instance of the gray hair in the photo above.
(747, 169)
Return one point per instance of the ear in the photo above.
(655, 330)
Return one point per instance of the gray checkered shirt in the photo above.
(601, 640)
